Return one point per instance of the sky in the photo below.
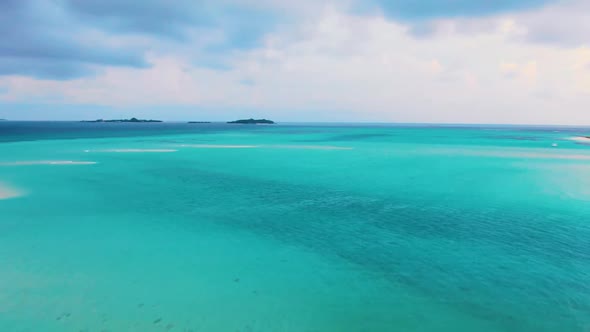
(428, 61)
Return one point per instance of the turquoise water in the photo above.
(176, 227)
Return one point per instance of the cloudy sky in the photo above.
(450, 61)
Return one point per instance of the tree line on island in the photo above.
(136, 120)
(253, 121)
(243, 121)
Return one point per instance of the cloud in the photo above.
(241, 24)
(69, 39)
(353, 67)
(563, 23)
(149, 16)
(526, 71)
(327, 62)
(39, 39)
(430, 9)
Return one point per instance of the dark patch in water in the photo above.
(465, 289)
(364, 231)
(157, 320)
(63, 316)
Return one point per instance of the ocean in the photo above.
(293, 227)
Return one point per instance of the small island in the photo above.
(134, 120)
(199, 122)
(253, 121)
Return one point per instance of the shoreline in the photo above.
(7, 192)
(583, 139)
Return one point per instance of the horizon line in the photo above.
(342, 122)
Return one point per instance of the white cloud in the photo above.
(363, 68)
(564, 23)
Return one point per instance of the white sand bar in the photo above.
(214, 146)
(7, 192)
(46, 162)
(580, 139)
(311, 147)
(135, 150)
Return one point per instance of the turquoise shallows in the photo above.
(328, 228)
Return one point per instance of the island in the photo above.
(199, 122)
(252, 121)
(134, 120)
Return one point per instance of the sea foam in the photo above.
(220, 146)
(303, 147)
(515, 153)
(134, 150)
(311, 147)
(46, 162)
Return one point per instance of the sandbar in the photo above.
(46, 162)
(7, 192)
(136, 150)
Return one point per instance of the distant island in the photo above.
(253, 121)
(124, 120)
(199, 122)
